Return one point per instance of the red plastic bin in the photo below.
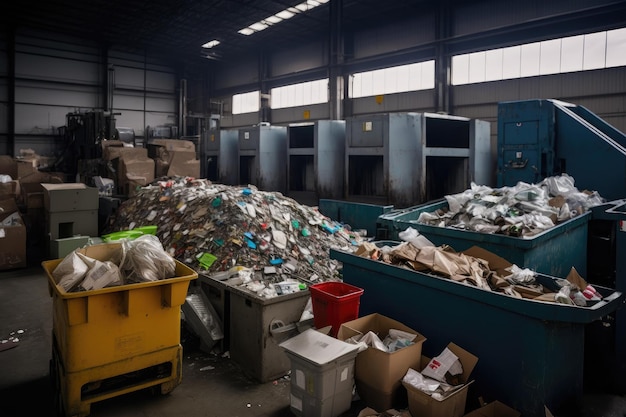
(334, 303)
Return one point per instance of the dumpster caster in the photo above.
(164, 388)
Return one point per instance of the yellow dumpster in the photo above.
(115, 340)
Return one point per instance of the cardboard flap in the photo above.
(468, 360)
(496, 263)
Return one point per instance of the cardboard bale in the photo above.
(8, 166)
(453, 405)
(184, 164)
(12, 237)
(494, 409)
(379, 374)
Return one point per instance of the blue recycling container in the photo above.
(531, 353)
(552, 252)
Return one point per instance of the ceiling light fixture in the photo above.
(211, 44)
(280, 16)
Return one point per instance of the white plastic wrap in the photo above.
(145, 259)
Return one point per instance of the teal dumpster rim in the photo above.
(612, 300)
(502, 240)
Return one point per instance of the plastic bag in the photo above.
(144, 259)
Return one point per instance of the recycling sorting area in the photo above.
(442, 275)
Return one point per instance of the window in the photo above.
(246, 102)
(574, 53)
(301, 94)
(411, 77)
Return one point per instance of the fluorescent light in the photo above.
(246, 31)
(211, 44)
(312, 3)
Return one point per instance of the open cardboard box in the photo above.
(422, 404)
(378, 374)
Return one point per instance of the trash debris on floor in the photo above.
(522, 210)
(11, 341)
(239, 234)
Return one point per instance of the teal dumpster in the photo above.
(357, 215)
(553, 251)
(531, 352)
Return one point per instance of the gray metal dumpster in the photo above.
(531, 352)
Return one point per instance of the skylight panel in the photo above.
(282, 15)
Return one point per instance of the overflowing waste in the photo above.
(139, 260)
(521, 211)
(262, 240)
(478, 267)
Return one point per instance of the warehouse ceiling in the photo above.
(180, 27)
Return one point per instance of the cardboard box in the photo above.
(184, 164)
(422, 404)
(12, 237)
(379, 373)
(25, 167)
(159, 148)
(10, 189)
(8, 166)
(124, 152)
(32, 191)
(134, 169)
(494, 409)
(69, 197)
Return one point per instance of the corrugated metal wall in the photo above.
(471, 28)
(56, 75)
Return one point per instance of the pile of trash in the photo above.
(520, 211)
(231, 232)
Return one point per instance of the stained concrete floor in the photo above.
(212, 386)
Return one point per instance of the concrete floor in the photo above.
(212, 385)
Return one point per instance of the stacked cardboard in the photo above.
(174, 157)
(132, 167)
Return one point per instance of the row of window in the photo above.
(575, 53)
